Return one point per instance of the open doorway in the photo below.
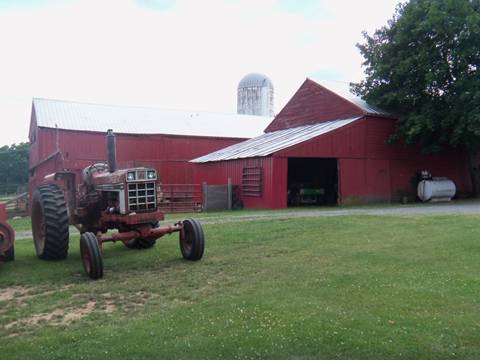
(312, 181)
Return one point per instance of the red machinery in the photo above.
(107, 198)
(7, 237)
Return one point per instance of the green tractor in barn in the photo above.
(106, 199)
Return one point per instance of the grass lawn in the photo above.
(21, 224)
(352, 287)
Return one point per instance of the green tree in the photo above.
(13, 166)
(424, 67)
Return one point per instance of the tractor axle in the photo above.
(144, 232)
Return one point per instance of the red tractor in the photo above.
(7, 237)
(107, 198)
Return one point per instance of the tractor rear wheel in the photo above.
(50, 223)
(192, 240)
(91, 255)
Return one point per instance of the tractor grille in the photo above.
(142, 196)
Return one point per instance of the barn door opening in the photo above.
(312, 181)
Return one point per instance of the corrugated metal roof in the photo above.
(343, 89)
(140, 120)
(273, 142)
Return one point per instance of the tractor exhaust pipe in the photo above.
(111, 151)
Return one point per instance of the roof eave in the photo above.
(309, 132)
(148, 134)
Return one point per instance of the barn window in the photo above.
(252, 181)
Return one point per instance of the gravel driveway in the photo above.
(417, 209)
(430, 209)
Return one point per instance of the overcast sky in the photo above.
(172, 54)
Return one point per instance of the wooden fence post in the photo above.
(205, 196)
(229, 193)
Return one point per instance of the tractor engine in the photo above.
(121, 192)
(108, 195)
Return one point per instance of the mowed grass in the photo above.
(352, 287)
(21, 223)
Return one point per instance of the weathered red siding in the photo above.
(352, 180)
(311, 104)
(369, 168)
(169, 154)
(274, 179)
(347, 141)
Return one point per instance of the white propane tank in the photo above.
(436, 189)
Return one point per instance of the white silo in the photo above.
(255, 95)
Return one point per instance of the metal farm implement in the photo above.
(107, 198)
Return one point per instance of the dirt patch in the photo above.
(11, 293)
(55, 318)
(143, 295)
(12, 335)
(78, 313)
(48, 292)
(65, 313)
(125, 303)
(109, 305)
(19, 295)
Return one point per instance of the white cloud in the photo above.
(189, 57)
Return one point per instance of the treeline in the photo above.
(13, 167)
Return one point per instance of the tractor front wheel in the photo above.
(50, 222)
(91, 255)
(192, 240)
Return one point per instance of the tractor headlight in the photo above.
(131, 176)
(151, 174)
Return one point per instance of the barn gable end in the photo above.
(313, 103)
(333, 146)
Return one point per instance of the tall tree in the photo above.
(13, 166)
(424, 67)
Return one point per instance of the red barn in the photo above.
(70, 135)
(327, 145)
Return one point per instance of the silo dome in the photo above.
(255, 79)
(255, 95)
